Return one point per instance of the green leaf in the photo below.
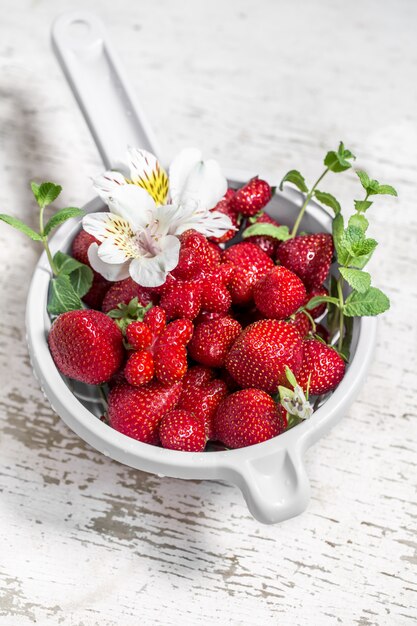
(359, 220)
(316, 300)
(290, 376)
(362, 205)
(387, 190)
(16, 223)
(328, 200)
(371, 302)
(80, 275)
(364, 178)
(339, 161)
(277, 232)
(338, 228)
(360, 261)
(45, 193)
(62, 296)
(297, 179)
(361, 281)
(61, 216)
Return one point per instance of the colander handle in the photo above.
(100, 86)
(275, 485)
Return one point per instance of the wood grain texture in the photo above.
(86, 541)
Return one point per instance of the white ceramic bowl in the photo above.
(271, 475)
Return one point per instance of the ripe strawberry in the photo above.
(248, 417)
(183, 299)
(202, 400)
(224, 207)
(215, 297)
(79, 250)
(308, 256)
(301, 322)
(86, 345)
(196, 255)
(268, 244)
(260, 353)
(139, 335)
(181, 430)
(197, 376)
(124, 291)
(169, 353)
(279, 293)
(212, 340)
(178, 331)
(250, 263)
(320, 308)
(156, 319)
(252, 197)
(323, 365)
(139, 368)
(137, 411)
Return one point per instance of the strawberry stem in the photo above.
(306, 201)
(45, 243)
(341, 315)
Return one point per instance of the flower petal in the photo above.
(107, 183)
(180, 169)
(205, 185)
(110, 252)
(147, 172)
(208, 223)
(133, 204)
(152, 271)
(105, 225)
(110, 272)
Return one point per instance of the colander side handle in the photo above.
(100, 86)
(275, 486)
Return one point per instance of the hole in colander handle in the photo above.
(100, 86)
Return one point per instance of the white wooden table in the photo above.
(84, 540)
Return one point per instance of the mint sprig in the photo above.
(71, 279)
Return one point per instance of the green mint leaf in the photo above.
(16, 223)
(361, 281)
(359, 220)
(62, 296)
(371, 302)
(387, 190)
(338, 228)
(45, 193)
(316, 300)
(297, 179)
(339, 161)
(61, 216)
(277, 232)
(80, 275)
(362, 205)
(328, 200)
(360, 261)
(364, 178)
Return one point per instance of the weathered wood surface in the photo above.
(84, 540)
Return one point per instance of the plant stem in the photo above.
(306, 201)
(341, 315)
(45, 243)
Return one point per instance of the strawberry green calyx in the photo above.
(71, 280)
(124, 314)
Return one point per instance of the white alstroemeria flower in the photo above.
(139, 236)
(297, 404)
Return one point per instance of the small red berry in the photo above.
(212, 341)
(322, 365)
(139, 335)
(139, 368)
(181, 430)
(279, 293)
(251, 198)
(308, 256)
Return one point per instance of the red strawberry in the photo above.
(79, 250)
(301, 322)
(250, 263)
(196, 255)
(139, 335)
(206, 316)
(183, 299)
(215, 297)
(124, 291)
(248, 417)
(268, 244)
(169, 354)
(260, 353)
(137, 411)
(323, 365)
(308, 256)
(139, 368)
(279, 293)
(197, 376)
(202, 400)
(178, 331)
(86, 345)
(212, 340)
(224, 207)
(156, 319)
(320, 308)
(181, 430)
(252, 197)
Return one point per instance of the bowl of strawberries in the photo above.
(204, 328)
